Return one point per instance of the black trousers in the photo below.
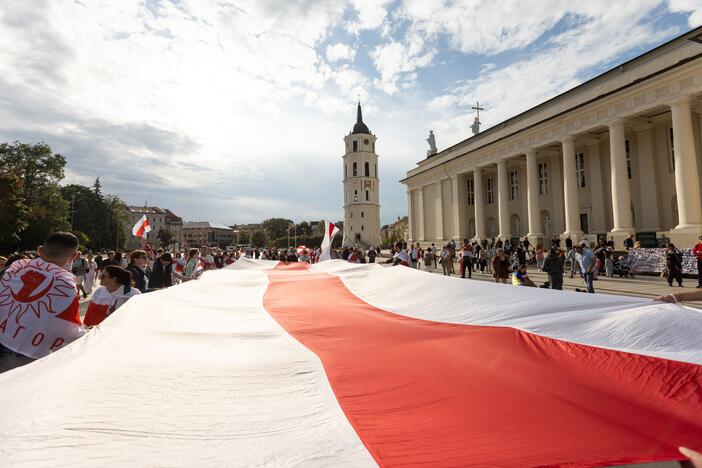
(556, 281)
(699, 272)
(674, 274)
(467, 263)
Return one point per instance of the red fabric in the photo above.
(697, 251)
(437, 394)
(96, 313)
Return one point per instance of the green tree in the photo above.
(13, 211)
(35, 164)
(276, 227)
(165, 236)
(97, 187)
(40, 171)
(304, 229)
(244, 237)
(258, 238)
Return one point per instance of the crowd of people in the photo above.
(506, 261)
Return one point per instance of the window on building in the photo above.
(355, 195)
(346, 171)
(671, 149)
(361, 227)
(513, 185)
(490, 191)
(367, 168)
(351, 214)
(627, 148)
(543, 179)
(355, 146)
(580, 169)
(361, 214)
(355, 170)
(367, 195)
(376, 170)
(471, 192)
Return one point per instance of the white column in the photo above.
(410, 222)
(647, 179)
(459, 197)
(420, 214)
(687, 180)
(533, 206)
(598, 222)
(503, 199)
(439, 209)
(570, 190)
(479, 203)
(621, 194)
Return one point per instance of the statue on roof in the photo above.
(432, 144)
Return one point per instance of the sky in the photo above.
(235, 111)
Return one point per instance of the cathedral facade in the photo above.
(361, 187)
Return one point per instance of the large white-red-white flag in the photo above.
(361, 365)
(330, 230)
(142, 227)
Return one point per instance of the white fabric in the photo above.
(630, 324)
(195, 375)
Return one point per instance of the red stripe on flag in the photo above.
(420, 392)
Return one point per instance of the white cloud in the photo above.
(396, 61)
(370, 14)
(694, 7)
(514, 88)
(337, 52)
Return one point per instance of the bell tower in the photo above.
(361, 187)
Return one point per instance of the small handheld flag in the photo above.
(141, 228)
(330, 230)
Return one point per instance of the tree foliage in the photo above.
(276, 227)
(35, 205)
(13, 211)
(258, 238)
(165, 236)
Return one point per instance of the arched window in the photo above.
(361, 227)
(361, 214)
(355, 195)
(355, 170)
(367, 195)
(367, 167)
(355, 146)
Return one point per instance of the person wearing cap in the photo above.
(697, 253)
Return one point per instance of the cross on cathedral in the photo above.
(476, 124)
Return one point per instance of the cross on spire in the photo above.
(477, 108)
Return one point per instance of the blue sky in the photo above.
(234, 111)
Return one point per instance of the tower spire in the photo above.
(360, 127)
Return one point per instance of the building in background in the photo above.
(159, 219)
(201, 233)
(619, 154)
(361, 187)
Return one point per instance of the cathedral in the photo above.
(361, 187)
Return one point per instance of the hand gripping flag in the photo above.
(330, 230)
(141, 228)
(38, 308)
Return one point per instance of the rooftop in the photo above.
(204, 225)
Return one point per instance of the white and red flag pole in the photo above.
(330, 230)
(141, 228)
